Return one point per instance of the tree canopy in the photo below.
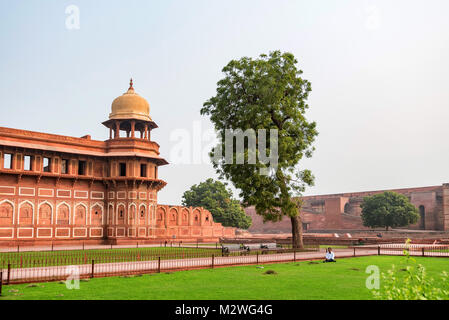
(388, 210)
(265, 93)
(213, 196)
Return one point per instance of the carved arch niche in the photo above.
(173, 217)
(111, 214)
(142, 214)
(63, 214)
(96, 215)
(132, 214)
(208, 219)
(80, 215)
(26, 214)
(45, 214)
(196, 218)
(6, 213)
(160, 217)
(185, 217)
(121, 214)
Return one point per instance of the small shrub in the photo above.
(413, 285)
(270, 272)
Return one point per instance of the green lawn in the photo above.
(302, 280)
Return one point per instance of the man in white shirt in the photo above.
(330, 256)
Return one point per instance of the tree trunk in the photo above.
(297, 242)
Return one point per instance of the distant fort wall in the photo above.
(343, 212)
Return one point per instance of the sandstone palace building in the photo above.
(56, 187)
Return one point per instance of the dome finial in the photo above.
(130, 105)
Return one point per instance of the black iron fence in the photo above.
(399, 249)
(94, 269)
(136, 262)
(33, 259)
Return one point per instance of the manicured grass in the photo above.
(301, 280)
(74, 257)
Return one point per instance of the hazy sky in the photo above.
(379, 73)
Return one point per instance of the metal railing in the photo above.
(31, 259)
(94, 269)
(106, 264)
(397, 249)
(136, 263)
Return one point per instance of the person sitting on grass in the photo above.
(330, 256)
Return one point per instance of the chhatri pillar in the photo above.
(132, 157)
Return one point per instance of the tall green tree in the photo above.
(213, 196)
(265, 93)
(388, 210)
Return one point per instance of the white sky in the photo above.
(379, 69)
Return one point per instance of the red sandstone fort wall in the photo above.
(45, 212)
(342, 211)
(99, 203)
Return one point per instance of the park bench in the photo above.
(228, 248)
(252, 246)
(268, 247)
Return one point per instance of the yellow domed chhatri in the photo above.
(130, 113)
(130, 105)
